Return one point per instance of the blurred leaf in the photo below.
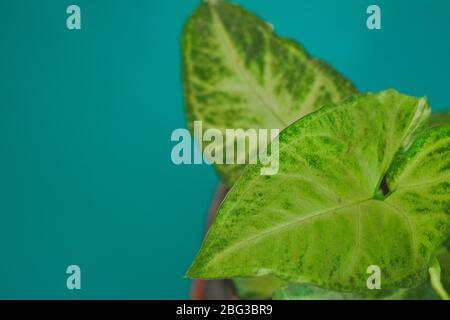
(239, 74)
(257, 288)
(309, 292)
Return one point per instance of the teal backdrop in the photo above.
(86, 116)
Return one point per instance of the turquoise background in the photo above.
(86, 116)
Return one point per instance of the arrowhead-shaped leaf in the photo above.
(356, 187)
(239, 74)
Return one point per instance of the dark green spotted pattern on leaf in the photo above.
(239, 74)
(323, 218)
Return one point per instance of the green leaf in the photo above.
(239, 74)
(322, 219)
(257, 288)
(308, 292)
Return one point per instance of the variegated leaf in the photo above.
(356, 187)
(239, 74)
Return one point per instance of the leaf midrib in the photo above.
(320, 214)
(293, 222)
(231, 53)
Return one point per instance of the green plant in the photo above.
(361, 182)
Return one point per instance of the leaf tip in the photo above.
(194, 271)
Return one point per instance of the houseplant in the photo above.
(239, 74)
